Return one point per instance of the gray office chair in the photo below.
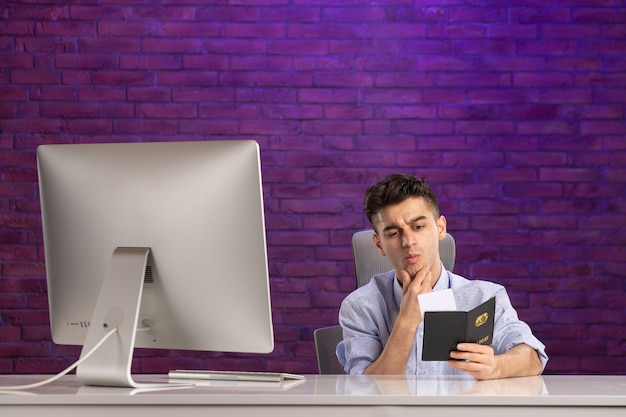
(367, 262)
(326, 340)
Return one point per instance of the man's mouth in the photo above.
(412, 258)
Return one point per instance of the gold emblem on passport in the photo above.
(482, 319)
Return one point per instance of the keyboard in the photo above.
(185, 374)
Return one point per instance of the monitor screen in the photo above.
(165, 238)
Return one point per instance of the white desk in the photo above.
(330, 395)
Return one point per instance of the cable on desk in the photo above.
(62, 373)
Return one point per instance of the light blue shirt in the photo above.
(368, 314)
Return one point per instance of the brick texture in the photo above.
(515, 112)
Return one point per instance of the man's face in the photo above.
(408, 234)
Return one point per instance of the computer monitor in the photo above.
(167, 238)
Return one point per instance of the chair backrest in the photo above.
(369, 262)
(326, 340)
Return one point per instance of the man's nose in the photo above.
(407, 240)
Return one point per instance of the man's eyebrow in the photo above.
(414, 220)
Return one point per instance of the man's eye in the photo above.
(391, 234)
(417, 227)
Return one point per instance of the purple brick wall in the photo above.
(514, 110)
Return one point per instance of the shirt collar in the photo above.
(442, 284)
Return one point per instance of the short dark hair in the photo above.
(395, 189)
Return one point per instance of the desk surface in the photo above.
(337, 393)
(341, 389)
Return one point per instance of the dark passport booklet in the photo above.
(443, 330)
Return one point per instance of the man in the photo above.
(382, 322)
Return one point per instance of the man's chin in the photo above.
(414, 269)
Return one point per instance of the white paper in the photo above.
(437, 301)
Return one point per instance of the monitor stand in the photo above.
(117, 307)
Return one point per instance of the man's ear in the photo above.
(442, 226)
(376, 240)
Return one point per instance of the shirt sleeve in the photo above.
(361, 344)
(510, 331)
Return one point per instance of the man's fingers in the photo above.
(427, 282)
(405, 278)
(422, 283)
(423, 280)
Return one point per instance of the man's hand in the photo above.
(481, 362)
(477, 360)
(411, 288)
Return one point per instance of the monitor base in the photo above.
(117, 307)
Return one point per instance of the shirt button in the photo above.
(422, 373)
